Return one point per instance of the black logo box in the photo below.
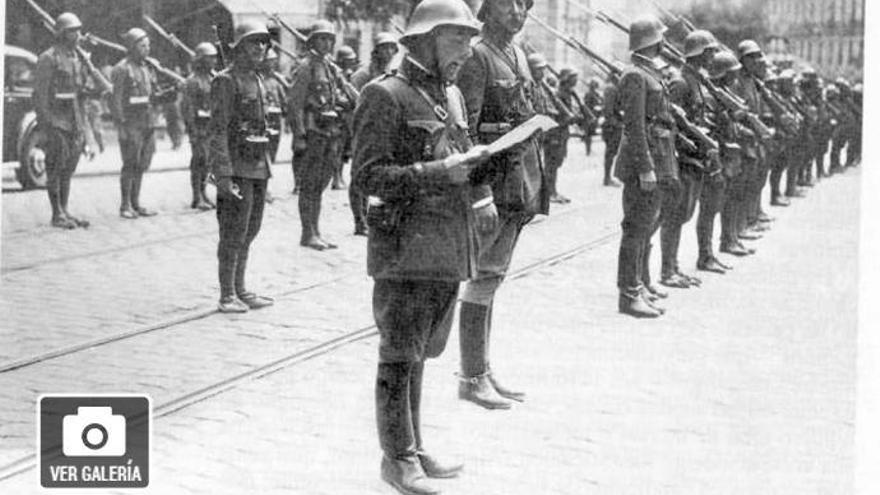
(51, 412)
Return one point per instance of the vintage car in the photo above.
(21, 138)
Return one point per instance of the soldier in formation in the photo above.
(136, 106)
(318, 101)
(61, 86)
(196, 108)
(415, 160)
(238, 151)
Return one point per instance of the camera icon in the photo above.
(93, 432)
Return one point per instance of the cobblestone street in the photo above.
(745, 386)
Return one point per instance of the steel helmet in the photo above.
(536, 61)
(842, 83)
(483, 13)
(723, 63)
(249, 29)
(809, 73)
(567, 74)
(832, 92)
(322, 27)
(748, 47)
(132, 36)
(858, 89)
(430, 14)
(205, 49)
(786, 75)
(697, 42)
(67, 20)
(384, 38)
(346, 52)
(644, 33)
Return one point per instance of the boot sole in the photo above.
(483, 404)
(405, 491)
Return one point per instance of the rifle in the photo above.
(49, 23)
(566, 114)
(788, 121)
(350, 91)
(221, 47)
(174, 40)
(170, 74)
(396, 27)
(691, 129)
(569, 40)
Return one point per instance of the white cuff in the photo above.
(483, 202)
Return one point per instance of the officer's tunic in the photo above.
(422, 240)
(497, 87)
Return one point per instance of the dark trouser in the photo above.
(240, 221)
(838, 142)
(588, 136)
(712, 199)
(357, 201)
(414, 318)
(641, 209)
(819, 155)
(682, 205)
(669, 191)
(198, 168)
(799, 156)
(777, 162)
(62, 150)
(612, 136)
(274, 141)
(317, 168)
(555, 151)
(854, 153)
(733, 211)
(137, 153)
(755, 189)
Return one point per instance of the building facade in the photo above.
(828, 34)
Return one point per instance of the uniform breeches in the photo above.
(137, 151)
(239, 221)
(612, 142)
(414, 318)
(495, 250)
(641, 211)
(554, 156)
(315, 172)
(681, 203)
(62, 151)
(777, 164)
(734, 203)
(712, 199)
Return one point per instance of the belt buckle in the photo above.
(441, 112)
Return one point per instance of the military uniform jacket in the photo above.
(647, 144)
(543, 103)
(275, 98)
(421, 226)
(362, 76)
(196, 104)
(59, 90)
(497, 87)
(135, 86)
(316, 99)
(237, 133)
(612, 114)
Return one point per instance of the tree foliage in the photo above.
(368, 10)
(729, 22)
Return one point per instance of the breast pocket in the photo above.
(424, 136)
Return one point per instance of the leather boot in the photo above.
(136, 195)
(316, 218)
(431, 465)
(656, 291)
(651, 299)
(710, 264)
(734, 248)
(634, 305)
(504, 391)
(400, 466)
(474, 385)
(125, 209)
(252, 300)
(779, 201)
(309, 237)
(59, 219)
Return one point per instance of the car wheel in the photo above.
(31, 171)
